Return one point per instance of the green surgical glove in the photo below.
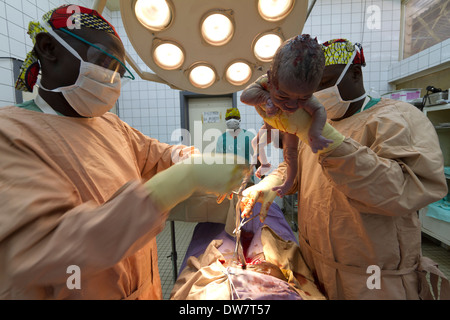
(261, 192)
(216, 174)
(298, 123)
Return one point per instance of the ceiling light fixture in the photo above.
(275, 10)
(266, 45)
(238, 73)
(202, 75)
(155, 15)
(217, 29)
(168, 56)
(199, 47)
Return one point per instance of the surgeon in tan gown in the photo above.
(359, 230)
(82, 193)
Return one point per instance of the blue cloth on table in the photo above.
(439, 210)
(206, 232)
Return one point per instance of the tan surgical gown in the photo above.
(71, 195)
(358, 205)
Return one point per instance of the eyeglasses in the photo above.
(104, 58)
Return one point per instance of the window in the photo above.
(425, 23)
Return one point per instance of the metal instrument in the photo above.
(239, 251)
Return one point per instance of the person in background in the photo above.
(235, 139)
(359, 230)
(83, 195)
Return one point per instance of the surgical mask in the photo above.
(96, 89)
(331, 99)
(233, 124)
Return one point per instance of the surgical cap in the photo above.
(58, 18)
(232, 112)
(340, 51)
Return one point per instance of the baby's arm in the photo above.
(319, 118)
(256, 94)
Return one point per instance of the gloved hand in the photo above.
(180, 155)
(298, 123)
(217, 174)
(261, 192)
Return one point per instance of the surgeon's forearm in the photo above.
(121, 227)
(379, 185)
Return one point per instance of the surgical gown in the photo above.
(71, 194)
(357, 205)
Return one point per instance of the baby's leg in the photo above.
(290, 153)
(262, 139)
(319, 117)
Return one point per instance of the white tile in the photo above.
(16, 32)
(434, 57)
(14, 15)
(2, 10)
(17, 48)
(423, 62)
(7, 94)
(6, 76)
(445, 53)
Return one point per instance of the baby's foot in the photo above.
(281, 190)
(263, 170)
(319, 143)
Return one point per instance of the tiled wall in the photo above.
(374, 24)
(154, 108)
(435, 56)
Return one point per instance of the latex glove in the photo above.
(184, 153)
(261, 192)
(298, 123)
(216, 174)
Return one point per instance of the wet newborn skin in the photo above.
(289, 143)
(294, 76)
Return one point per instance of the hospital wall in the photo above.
(154, 108)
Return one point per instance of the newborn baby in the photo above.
(294, 76)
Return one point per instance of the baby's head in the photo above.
(296, 70)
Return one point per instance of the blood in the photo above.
(246, 239)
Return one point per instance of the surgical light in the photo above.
(202, 76)
(266, 46)
(208, 47)
(238, 73)
(168, 56)
(217, 29)
(155, 15)
(274, 10)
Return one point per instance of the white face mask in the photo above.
(96, 90)
(331, 99)
(233, 124)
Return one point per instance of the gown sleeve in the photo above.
(399, 171)
(45, 226)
